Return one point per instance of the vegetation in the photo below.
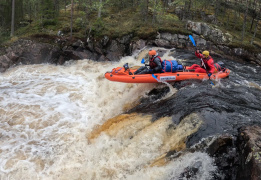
(142, 18)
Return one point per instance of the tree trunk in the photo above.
(253, 17)
(189, 10)
(227, 12)
(258, 17)
(86, 20)
(30, 12)
(217, 11)
(154, 17)
(72, 3)
(100, 7)
(235, 14)
(57, 7)
(144, 9)
(252, 22)
(13, 18)
(79, 5)
(244, 23)
(165, 5)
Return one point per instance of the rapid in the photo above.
(69, 122)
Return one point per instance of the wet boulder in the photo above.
(212, 33)
(225, 154)
(138, 45)
(190, 172)
(250, 153)
(115, 51)
(168, 40)
(238, 157)
(28, 52)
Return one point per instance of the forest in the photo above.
(143, 18)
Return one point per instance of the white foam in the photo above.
(175, 168)
(46, 112)
(47, 109)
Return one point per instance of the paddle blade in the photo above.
(142, 61)
(154, 77)
(192, 40)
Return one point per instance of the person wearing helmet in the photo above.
(154, 64)
(207, 63)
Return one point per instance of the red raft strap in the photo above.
(170, 65)
(165, 66)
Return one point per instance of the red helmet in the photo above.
(152, 52)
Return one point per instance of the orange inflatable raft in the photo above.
(119, 74)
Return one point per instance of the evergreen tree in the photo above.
(6, 12)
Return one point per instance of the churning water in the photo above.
(69, 122)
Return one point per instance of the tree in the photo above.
(57, 6)
(5, 13)
(235, 13)
(258, 17)
(72, 3)
(253, 13)
(154, 19)
(186, 10)
(100, 8)
(217, 6)
(158, 10)
(30, 9)
(13, 18)
(244, 23)
(144, 8)
(48, 9)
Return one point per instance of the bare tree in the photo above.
(13, 18)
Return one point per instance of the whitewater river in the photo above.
(68, 122)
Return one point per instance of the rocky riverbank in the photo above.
(35, 50)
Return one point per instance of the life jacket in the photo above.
(209, 63)
(152, 63)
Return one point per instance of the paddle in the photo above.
(143, 62)
(155, 77)
(193, 42)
